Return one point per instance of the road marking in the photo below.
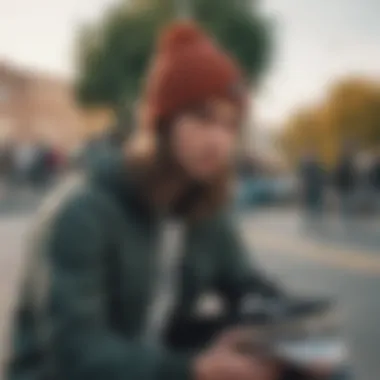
(349, 259)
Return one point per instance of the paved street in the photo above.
(331, 262)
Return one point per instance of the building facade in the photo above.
(38, 108)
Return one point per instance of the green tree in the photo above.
(113, 54)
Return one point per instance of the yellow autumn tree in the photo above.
(349, 112)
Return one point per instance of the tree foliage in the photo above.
(112, 57)
(350, 112)
(113, 53)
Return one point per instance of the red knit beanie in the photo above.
(188, 69)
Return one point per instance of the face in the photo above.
(204, 141)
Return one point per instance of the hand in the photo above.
(223, 361)
(232, 366)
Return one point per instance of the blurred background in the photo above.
(308, 189)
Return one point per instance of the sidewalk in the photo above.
(16, 200)
(353, 245)
(362, 233)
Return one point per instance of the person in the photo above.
(25, 155)
(346, 178)
(247, 183)
(312, 179)
(6, 164)
(41, 171)
(143, 235)
(374, 180)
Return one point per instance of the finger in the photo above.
(263, 370)
(236, 336)
(237, 369)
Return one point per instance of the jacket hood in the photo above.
(110, 174)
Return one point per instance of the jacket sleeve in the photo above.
(239, 272)
(83, 346)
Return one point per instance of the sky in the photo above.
(317, 42)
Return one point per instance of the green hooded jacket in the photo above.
(90, 277)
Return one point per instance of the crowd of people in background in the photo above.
(353, 184)
(30, 165)
(36, 166)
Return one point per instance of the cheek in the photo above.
(222, 145)
(187, 139)
(229, 142)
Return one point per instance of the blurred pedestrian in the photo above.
(133, 245)
(6, 155)
(57, 162)
(346, 182)
(40, 169)
(25, 157)
(374, 179)
(6, 168)
(312, 180)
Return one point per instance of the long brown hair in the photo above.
(150, 158)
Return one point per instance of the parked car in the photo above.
(266, 191)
